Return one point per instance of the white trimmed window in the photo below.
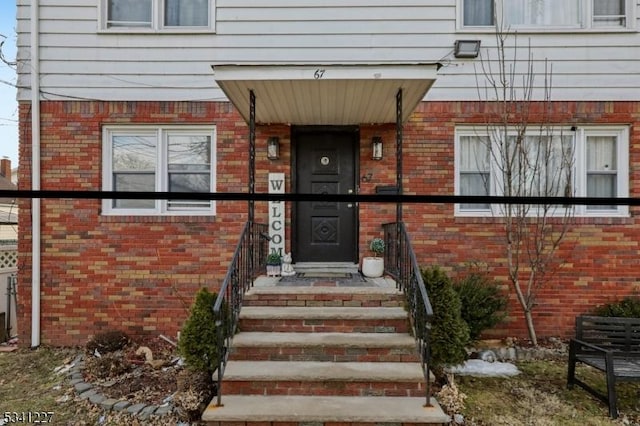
(159, 159)
(187, 15)
(581, 162)
(545, 14)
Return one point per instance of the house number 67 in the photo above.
(318, 74)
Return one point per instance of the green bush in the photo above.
(198, 343)
(483, 306)
(377, 246)
(629, 307)
(449, 332)
(274, 259)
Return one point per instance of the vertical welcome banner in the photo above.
(276, 214)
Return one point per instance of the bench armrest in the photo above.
(574, 344)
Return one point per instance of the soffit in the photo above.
(325, 94)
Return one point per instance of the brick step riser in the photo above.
(324, 354)
(323, 388)
(327, 300)
(325, 326)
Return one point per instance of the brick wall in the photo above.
(135, 273)
(601, 255)
(140, 274)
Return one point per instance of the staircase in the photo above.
(323, 352)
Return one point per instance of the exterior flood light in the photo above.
(273, 148)
(376, 148)
(466, 48)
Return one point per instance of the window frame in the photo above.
(161, 132)
(579, 172)
(586, 18)
(157, 21)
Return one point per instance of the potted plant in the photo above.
(273, 264)
(373, 267)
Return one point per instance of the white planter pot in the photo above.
(372, 267)
(273, 270)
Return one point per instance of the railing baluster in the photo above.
(404, 268)
(247, 262)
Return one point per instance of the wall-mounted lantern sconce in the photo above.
(376, 148)
(273, 148)
(466, 48)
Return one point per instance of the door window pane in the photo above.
(129, 13)
(186, 13)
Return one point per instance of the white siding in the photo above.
(79, 60)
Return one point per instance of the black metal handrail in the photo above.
(248, 261)
(400, 262)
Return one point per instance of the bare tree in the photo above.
(527, 157)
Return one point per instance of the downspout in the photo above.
(35, 174)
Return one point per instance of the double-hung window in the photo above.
(610, 13)
(474, 168)
(579, 162)
(159, 159)
(545, 14)
(158, 14)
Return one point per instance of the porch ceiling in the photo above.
(325, 94)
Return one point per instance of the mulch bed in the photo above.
(125, 375)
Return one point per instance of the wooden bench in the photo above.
(611, 345)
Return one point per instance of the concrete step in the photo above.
(323, 378)
(324, 296)
(323, 410)
(324, 319)
(334, 347)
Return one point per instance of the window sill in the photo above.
(596, 217)
(155, 31)
(545, 30)
(112, 218)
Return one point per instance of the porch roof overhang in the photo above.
(326, 94)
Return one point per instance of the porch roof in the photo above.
(325, 94)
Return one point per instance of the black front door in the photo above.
(325, 164)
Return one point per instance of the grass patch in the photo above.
(28, 383)
(539, 396)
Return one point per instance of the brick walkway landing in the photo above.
(328, 351)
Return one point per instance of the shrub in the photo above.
(629, 307)
(449, 332)
(198, 342)
(483, 306)
(274, 259)
(108, 341)
(377, 246)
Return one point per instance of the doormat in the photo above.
(338, 277)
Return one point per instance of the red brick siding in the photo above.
(134, 273)
(601, 255)
(140, 273)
